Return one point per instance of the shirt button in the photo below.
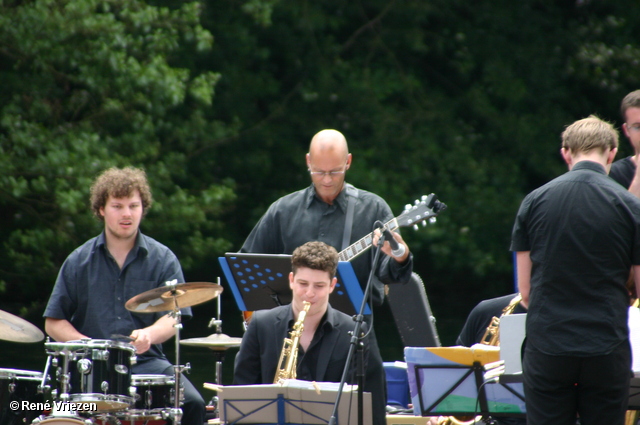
(118, 317)
(118, 298)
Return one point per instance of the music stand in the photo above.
(449, 381)
(261, 281)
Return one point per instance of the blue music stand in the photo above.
(261, 281)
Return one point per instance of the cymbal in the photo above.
(16, 329)
(166, 298)
(215, 341)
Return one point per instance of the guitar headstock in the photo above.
(427, 208)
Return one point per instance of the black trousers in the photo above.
(559, 388)
(193, 409)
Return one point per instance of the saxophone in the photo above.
(491, 337)
(289, 355)
(492, 334)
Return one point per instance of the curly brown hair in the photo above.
(316, 256)
(120, 183)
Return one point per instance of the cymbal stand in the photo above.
(218, 355)
(176, 412)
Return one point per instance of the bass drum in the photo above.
(19, 386)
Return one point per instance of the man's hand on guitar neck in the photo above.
(386, 248)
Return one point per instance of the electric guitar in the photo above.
(427, 208)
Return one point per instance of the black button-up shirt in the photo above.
(302, 216)
(91, 290)
(583, 233)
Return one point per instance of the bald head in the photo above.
(328, 160)
(330, 142)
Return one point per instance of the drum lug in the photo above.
(104, 386)
(100, 355)
(84, 366)
(133, 392)
(12, 387)
(133, 360)
(148, 398)
(121, 369)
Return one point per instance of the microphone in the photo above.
(397, 250)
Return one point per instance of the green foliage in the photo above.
(89, 85)
(433, 96)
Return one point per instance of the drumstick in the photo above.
(123, 337)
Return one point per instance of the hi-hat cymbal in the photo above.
(166, 298)
(215, 342)
(16, 329)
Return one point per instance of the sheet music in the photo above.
(634, 337)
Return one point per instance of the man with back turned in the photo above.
(575, 240)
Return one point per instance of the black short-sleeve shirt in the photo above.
(583, 233)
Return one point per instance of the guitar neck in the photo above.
(358, 247)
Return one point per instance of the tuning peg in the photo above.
(424, 198)
(415, 227)
(432, 220)
(407, 207)
(417, 202)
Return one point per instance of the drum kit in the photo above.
(90, 381)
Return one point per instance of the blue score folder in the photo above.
(261, 281)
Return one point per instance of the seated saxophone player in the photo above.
(324, 343)
(481, 327)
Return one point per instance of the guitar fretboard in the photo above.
(360, 246)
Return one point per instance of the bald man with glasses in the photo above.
(322, 212)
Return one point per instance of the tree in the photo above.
(88, 85)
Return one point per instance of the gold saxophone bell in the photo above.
(289, 355)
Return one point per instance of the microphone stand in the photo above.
(356, 342)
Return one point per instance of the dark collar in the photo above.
(341, 200)
(329, 319)
(140, 247)
(589, 165)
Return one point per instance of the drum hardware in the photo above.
(219, 343)
(16, 329)
(92, 371)
(20, 386)
(172, 297)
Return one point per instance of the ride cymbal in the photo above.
(215, 341)
(16, 329)
(166, 298)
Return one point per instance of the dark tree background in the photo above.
(218, 101)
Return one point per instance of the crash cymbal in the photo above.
(16, 329)
(165, 298)
(215, 342)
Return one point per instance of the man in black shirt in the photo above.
(481, 316)
(320, 212)
(575, 240)
(624, 170)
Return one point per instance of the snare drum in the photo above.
(94, 371)
(18, 386)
